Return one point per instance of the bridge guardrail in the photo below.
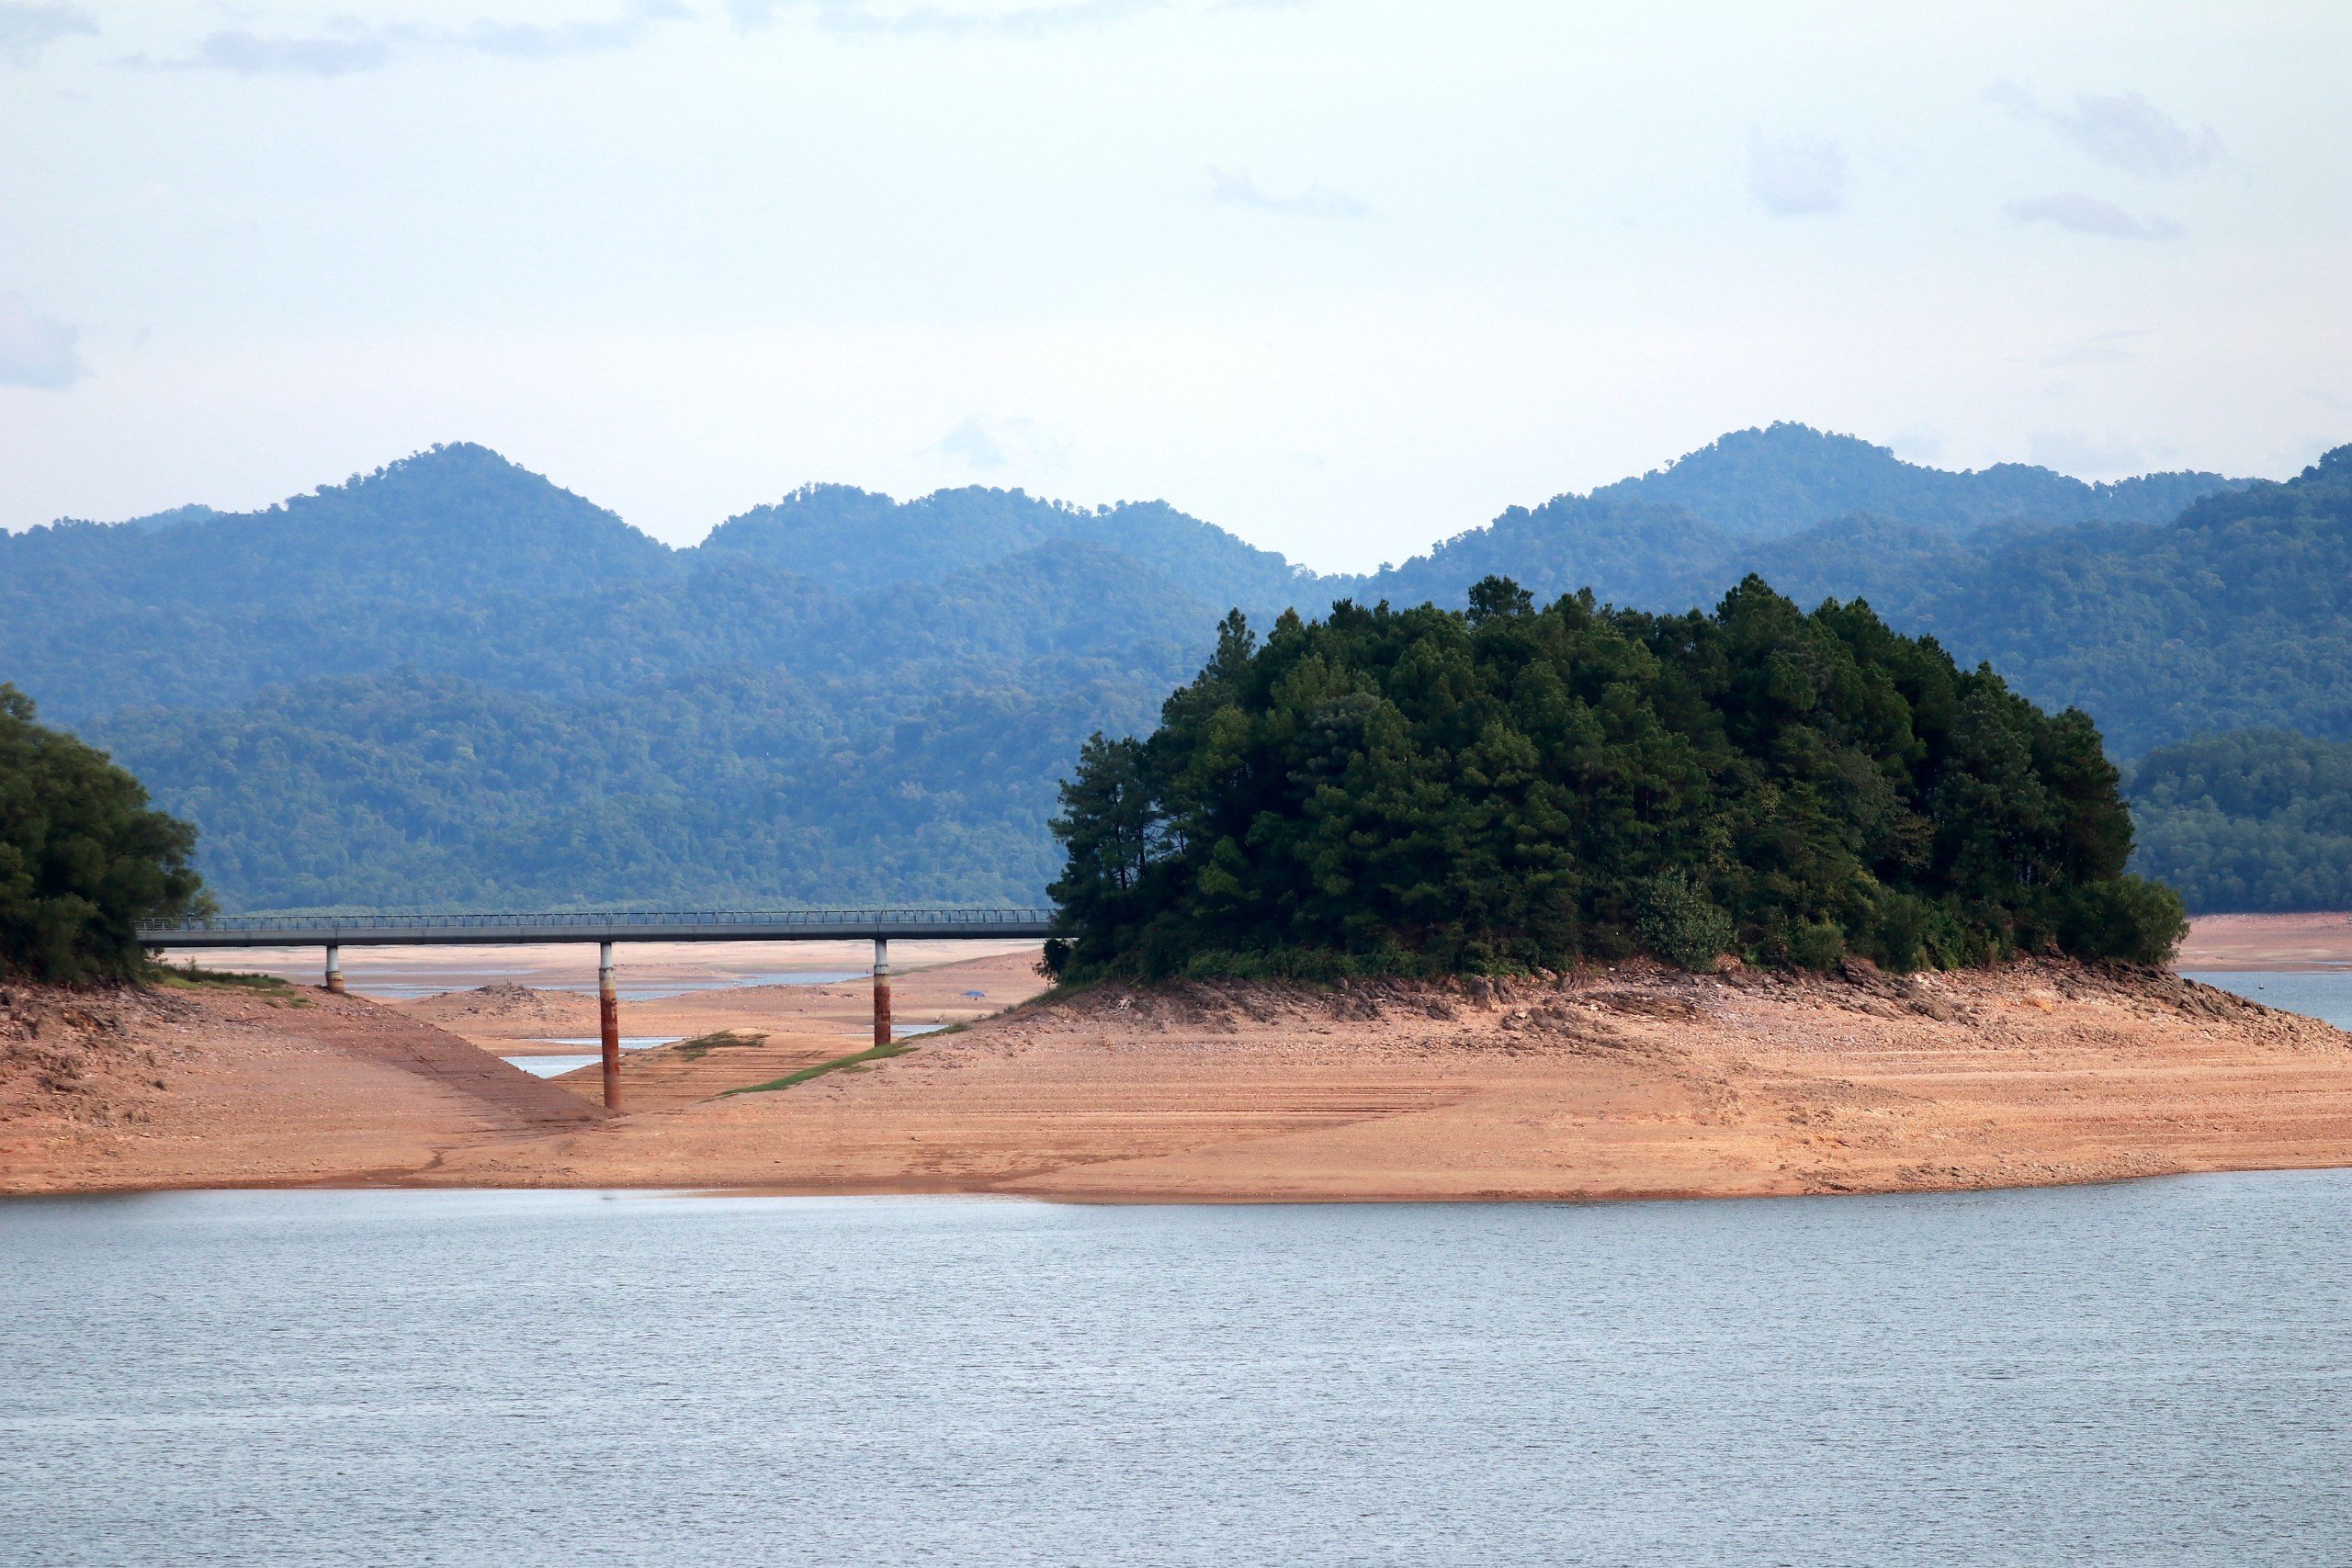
(616, 925)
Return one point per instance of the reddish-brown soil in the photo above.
(1633, 1082)
(229, 1086)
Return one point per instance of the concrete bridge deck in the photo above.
(335, 932)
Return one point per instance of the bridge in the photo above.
(335, 932)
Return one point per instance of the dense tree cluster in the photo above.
(1425, 790)
(82, 860)
(2253, 819)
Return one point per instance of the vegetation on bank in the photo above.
(1423, 790)
(83, 858)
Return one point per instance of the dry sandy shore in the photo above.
(2314, 942)
(1638, 1082)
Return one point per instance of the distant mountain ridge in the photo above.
(1679, 536)
(457, 560)
(858, 541)
(1785, 478)
(453, 680)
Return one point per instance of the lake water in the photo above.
(2325, 993)
(2152, 1373)
(549, 1066)
(456, 977)
(552, 1067)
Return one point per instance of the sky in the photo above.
(1343, 278)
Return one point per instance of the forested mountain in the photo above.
(1825, 513)
(456, 560)
(2254, 819)
(452, 683)
(2237, 613)
(466, 685)
(419, 562)
(730, 786)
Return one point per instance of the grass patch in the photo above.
(855, 1062)
(701, 1046)
(189, 974)
(189, 977)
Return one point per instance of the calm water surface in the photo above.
(2151, 1373)
(2325, 993)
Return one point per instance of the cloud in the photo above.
(986, 445)
(1789, 178)
(2124, 130)
(2080, 214)
(36, 350)
(1234, 187)
(529, 40)
(26, 31)
(2076, 455)
(863, 17)
(250, 54)
(355, 47)
(971, 444)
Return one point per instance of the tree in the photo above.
(82, 860)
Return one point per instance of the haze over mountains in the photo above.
(452, 683)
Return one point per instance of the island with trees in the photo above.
(1512, 788)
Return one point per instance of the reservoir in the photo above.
(2158, 1373)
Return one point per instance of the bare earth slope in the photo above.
(223, 1087)
(1638, 1082)
(1634, 1082)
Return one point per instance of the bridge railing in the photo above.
(786, 919)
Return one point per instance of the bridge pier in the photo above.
(335, 968)
(881, 992)
(608, 1019)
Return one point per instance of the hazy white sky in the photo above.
(1343, 275)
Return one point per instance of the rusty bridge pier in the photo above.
(608, 1019)
(335, 968)
(881, 992)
